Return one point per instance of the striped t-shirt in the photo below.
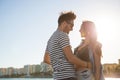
(61, 67)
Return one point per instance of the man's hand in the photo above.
(89, 65)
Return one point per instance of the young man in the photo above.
(58, 52)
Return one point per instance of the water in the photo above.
(45, 78)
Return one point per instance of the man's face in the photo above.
(69, 26)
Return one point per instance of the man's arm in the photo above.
(73, 59)
(46, 58)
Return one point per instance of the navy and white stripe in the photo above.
(62, 68)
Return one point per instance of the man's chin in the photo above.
(67, 32)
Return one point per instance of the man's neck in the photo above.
(61, 28)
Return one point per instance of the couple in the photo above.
(85, 63)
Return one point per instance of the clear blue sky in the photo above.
(26, 25)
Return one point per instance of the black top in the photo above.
(83, 54)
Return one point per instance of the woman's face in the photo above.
(82, 31)
(88, 31)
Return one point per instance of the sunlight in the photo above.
(107, 34)
(105, 29)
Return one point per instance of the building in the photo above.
(109, 68)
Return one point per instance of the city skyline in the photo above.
(26, 25)
(48, 64)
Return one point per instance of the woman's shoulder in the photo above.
(98, 48)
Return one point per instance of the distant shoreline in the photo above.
(39, 76)
(112, 75)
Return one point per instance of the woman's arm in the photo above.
(97, 63)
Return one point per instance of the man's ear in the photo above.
(64, 24)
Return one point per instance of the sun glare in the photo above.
(107, 34)
(105, 29)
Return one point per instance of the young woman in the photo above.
(89, 50)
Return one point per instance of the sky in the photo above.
(26, 26)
